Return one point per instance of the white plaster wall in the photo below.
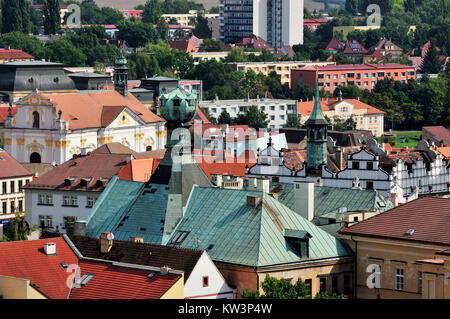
(217, 288)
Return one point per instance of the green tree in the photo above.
(15, 16)
(202, 29)
(64, 51)
(278, 289)
(211, 45)
(431, 63)
(146, 66)
(163, 29)
(18, 40)
(224, 118)
(325, 295)
(152, 11)
(52, 18)
(236, 55)
(17, 229)
(303, 91)
(253, 117)
(137, 34)
(339, 58)
(292, 121)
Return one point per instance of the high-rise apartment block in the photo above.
(279, 22)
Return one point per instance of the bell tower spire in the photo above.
(317, 134)
(121, 75)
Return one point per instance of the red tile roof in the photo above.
(305, 108)
(80, 168)
(27, 260)
(139, 170)
(88, 107)
(113, 282)
(228, 166)
(354, 47)
(13, 54)
(428, 216)
(294, 159)
(9, 167)
(334, 45)
(355, 67)
(4, 113)
(438, 132)
(202, 115)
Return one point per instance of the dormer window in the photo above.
(299, 241)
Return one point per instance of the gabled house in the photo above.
(202, 280)
(354, 51)
(53, 268)
(383, 49)
(334, 46)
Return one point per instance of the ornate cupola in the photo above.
(178, 108)
(317, 133)
(121, 75)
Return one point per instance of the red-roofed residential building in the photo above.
(313, 23)
(254, 42)
(354, 51)
(13, 55)
(364, 76)
(13, 176)
(187, 44)
(55, 127)
(51, 269)
(384, 48)
(366, 116)
(436, 134)
(68, 192)
(393, 244)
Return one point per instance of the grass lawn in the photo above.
(404, 138)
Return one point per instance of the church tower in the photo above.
(317, 133)
(121, 75)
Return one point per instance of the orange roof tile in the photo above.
(85, 109)
(139, 170)
(305, 108)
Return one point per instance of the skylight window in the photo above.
(85, 279)
(180, 237)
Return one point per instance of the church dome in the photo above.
(178, 106)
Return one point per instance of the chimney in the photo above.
(79, 228)
(136, 239)
(106, 242)
(263, 185)
(339, 158)
(217, 179)
(225, 128)
(304, 199)
(50, 249)
(253, 200)
(165, 270)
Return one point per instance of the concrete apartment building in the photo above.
(403, 252)
(282, 68)
(279, 22)
(277, 110)
(364, 76)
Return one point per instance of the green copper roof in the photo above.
(330, 199)
(178, 106)
(129, 209)
(220, 222)
(317, 116)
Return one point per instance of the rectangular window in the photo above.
(46, 221)
(380, 73)
(323, 284)
(281, 107)
(370, 165)
(334, 284)
(308, 284)
(399, 278)
(73, 201)
(355, 165)
(4, 207)
(12, 188)
(320, 76)
(49, 199)
(272, 107)
(66, 200)
(350, 75)
(272, 117)
(12, 206)
(20, 205)
(205, 281)
(20, 186)
(180, 237)
(90, 201)
(41, 199)
(369, 185)
(4, 188)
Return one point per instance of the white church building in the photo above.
(55, 127)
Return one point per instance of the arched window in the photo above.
(36, 119)
(148, 148)
(35, 157)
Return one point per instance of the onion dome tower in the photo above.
(316, 143)
(121, 75)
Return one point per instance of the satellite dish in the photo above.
(110, 236)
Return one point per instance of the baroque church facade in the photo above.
(53, 128)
